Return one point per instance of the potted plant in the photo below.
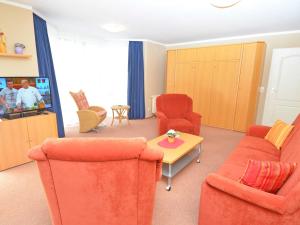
(171, 136)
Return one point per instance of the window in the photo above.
(99, 68)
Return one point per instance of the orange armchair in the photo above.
(98, 181)
(175, 111)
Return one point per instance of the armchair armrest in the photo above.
(154, 155)
(88, 119)
(161, 115)
(37, 154)
(162, 122)
(193, 117)
(251, 195)
(258, 131)
(96, 108)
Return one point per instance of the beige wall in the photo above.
(272, 41)
(17, 24)
(154, 67)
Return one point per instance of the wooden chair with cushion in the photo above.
(89, 116)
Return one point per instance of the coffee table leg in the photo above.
(199, 151)
(168, 188)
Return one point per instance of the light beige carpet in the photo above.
(22, 199)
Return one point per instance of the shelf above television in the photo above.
(13, 55)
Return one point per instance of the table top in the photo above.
(120, 107)
(171, 155)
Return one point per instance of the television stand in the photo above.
(17, 136)
(29, 113)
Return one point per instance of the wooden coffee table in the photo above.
(175, 159)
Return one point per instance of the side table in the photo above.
(120, 112)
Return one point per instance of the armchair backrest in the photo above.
(80, 99)
(174, 105)
(98, 181)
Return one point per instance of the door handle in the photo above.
(273, 90)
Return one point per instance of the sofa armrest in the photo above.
(154, 155)
(258, 131)
(251, 195)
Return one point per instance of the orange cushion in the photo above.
(278, 133)
(268, 176)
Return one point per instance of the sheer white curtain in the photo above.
(99, 68)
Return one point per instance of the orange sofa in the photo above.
(175, 111)
(93, 181)
(225, 201)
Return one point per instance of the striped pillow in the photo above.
(267, 175)
(278, 133)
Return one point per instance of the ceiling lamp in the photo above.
(113, 27)
(224, 3)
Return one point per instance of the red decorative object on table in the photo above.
(166, 144)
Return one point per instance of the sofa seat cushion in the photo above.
(259, 144)
(235, 166)
(182, 125)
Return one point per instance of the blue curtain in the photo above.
(46, 67)
(135, 90)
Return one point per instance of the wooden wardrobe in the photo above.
(223, 81)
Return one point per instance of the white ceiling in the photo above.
(169, 21)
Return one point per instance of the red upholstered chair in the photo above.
(93, 181)
(175, 111)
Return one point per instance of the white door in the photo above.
(283, 93)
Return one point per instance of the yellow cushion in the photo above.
(278, 133)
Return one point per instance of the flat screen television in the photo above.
(22, 94)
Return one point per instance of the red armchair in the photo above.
(175, 111)
(92, 181)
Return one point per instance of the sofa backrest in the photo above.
(290, 152)
(174, 105)
(98, 180)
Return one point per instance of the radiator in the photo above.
(153, 107)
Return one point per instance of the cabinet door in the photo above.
(171, 65)
(224, 94)
(202, 91)
(185, 78)
(14, 143)
(250, 77)
(41, 127)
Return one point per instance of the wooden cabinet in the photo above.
(19, 135)
(222, 80)
(223, 94)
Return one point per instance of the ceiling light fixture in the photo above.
(224, 3)
(113, 27)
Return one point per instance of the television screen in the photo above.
(18, 94)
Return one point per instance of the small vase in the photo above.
(19, 50)
(171, 139)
